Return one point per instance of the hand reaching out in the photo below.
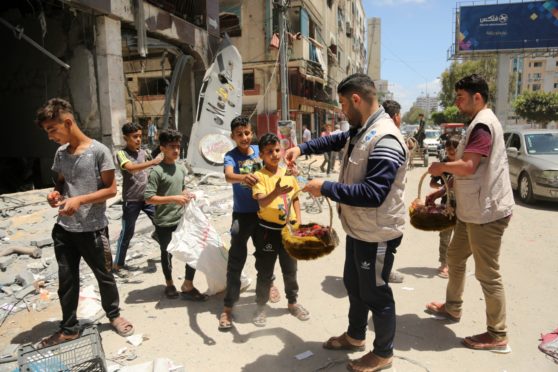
(280, 190)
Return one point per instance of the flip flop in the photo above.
(299, 312)
(274, 294)
(171, 292)
(225, 321)
(342, 343)
(193, 295)
(122, 326)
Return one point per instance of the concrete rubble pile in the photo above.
(28, 267)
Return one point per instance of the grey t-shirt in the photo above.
(133, 183)
(82, 176)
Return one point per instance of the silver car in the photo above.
(533, 162)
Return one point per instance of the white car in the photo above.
(432, 140)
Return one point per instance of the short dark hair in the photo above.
(267, 139)
(452, 141)
(392, 107)
(129, 128)
(52, 110)
(168, 136)
(473, 84)
(360, 84)
(240, 121)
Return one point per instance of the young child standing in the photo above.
(438, 183)
(240, 165)
(85, 180)
(274, 191)
(166, 190)
(133, 162)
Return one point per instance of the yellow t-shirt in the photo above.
(275, 211)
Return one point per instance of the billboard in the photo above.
(511, 26)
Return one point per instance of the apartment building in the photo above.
(326, 43)
(540, 74)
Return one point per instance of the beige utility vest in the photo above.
(486, 195)
(386, 221)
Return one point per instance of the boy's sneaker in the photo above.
(260, 317)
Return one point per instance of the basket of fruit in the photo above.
(432, 217)
(309, 241)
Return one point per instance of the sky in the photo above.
(416, 35)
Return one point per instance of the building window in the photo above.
(536, 87)
(151, 86)
(537, 64)
(555, 85)
(248, 80)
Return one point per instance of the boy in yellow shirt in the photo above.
(274, 191)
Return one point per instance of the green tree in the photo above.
(486, 67)
(452, 115)
(438, 117)
(411, 116)
(539, 107)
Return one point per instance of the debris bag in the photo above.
(193, 235)
(197, 243)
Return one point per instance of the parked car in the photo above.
(533, 163)
(432, 140)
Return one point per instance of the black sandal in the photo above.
(193, 295)
(171, 292)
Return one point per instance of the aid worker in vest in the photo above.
(369, 194)
(484, 202)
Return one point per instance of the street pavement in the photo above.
(187, 333)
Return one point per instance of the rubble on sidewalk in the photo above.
(28, 268)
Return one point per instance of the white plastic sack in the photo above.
(197, 243)
(193, 234)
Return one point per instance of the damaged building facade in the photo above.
(326, 44)
(114, 60)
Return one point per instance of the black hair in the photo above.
(360, 84)
(168, 136)
(267, 139)
(52, 110)
(129, 128)
(240, 121)
(473, 84)
(452, 141)
(392, 107)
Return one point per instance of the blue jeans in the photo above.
(130, 213)
(366, 274)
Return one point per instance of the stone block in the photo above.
(42, 242)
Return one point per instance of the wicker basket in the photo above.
(309, 247)
(432, 218)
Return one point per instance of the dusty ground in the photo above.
(187, 332)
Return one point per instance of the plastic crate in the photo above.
(82, 354)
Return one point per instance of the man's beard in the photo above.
(354, 117)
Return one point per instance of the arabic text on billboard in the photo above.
(530, 25)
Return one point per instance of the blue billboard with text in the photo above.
(512, 26)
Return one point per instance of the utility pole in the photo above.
(282, 8)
